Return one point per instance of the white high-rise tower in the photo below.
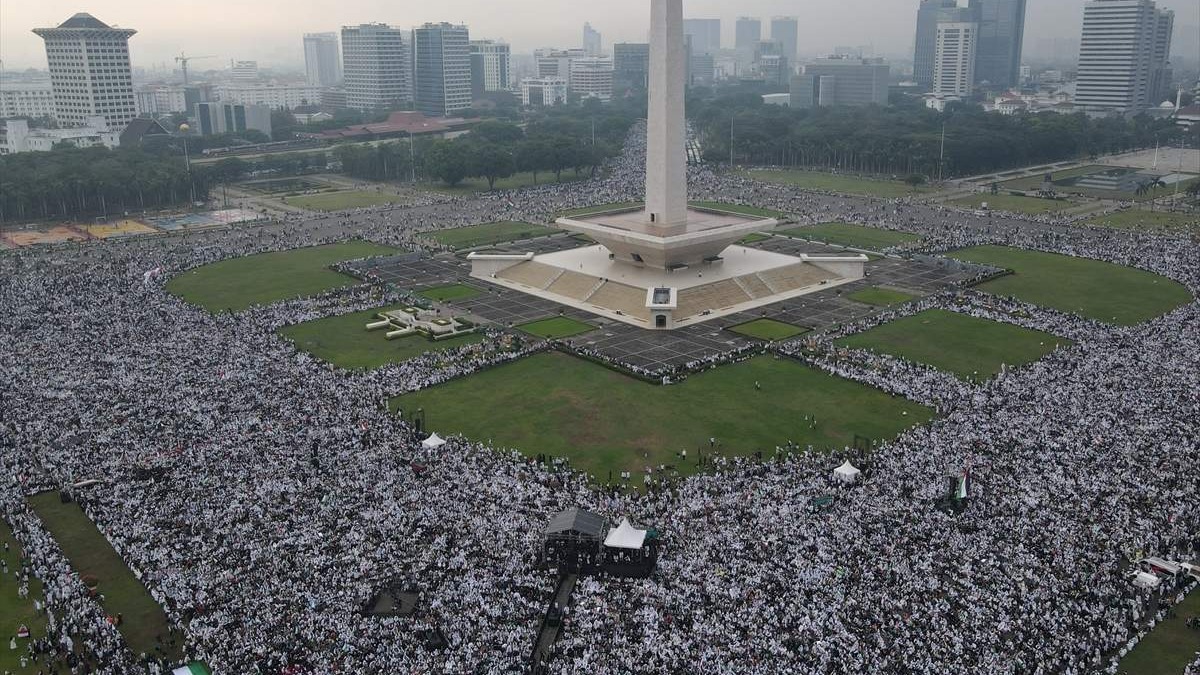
(90, 71)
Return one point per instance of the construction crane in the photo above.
(183, 59)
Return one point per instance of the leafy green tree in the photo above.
(492, 162)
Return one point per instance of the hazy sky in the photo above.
(270, 30)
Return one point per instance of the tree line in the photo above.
(906, 138)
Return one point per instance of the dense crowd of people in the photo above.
(265, 497)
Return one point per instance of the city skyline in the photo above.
(261, 36)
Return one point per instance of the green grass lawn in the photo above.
(145, 624)
(830, 182)
(489, 233)
(1035, 181)
(556, 328)
(754, 237)
(270, 277)
(340, 201)
(1091, 288)
(451, 293)
(880, 296)
(971, 348)
(1013, 203)
(16, 612)
(1144, 219)
(605, 421)
(345, 341)
(1170, 647)
(742, 209)
(519, 180)
(853, 236)
(768, 329)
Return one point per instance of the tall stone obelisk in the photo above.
(666, 130)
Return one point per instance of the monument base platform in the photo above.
(591, 279)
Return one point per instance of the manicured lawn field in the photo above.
(854, 236)
(605, 421)
(740, 208)
(145, 624)
(1142, 219)
(971, 348)
(1013, 203)
(769, 330)
(556, 328)
(830, 182)
(452, 293)
(1099, 290)
(340, 201)
(270, 277)
(519, 180)
(345, 341)
(489, 233)
(881, 297)
(1169, 647)
(16, 612)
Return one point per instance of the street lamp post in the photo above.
(187, 160)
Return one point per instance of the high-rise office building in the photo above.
(556, 62)
(1001, 37)
(322, 63)
(1123, 54)
(706, 35)
(376, 68)
(954, 61)
(591, 41)
(244, 71)
(592, 77)
(748, 33)
(224, 117)
(929, 15)
(786, 31)
(441, 69)
(90, 72)
(548, 91)
(841, 81)
(631, 65)
(491, 66)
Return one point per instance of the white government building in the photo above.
(90, 71)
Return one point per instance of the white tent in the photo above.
(846, 472)
(433, 442)
(1146, 580)
(625, 536)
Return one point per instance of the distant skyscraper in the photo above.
(748, 33)
(591, 41)
(491, 66)
(376, 66)
(706, 35)
(631, 65)
(592, 77)
(1123, 54)
(954, 61)
(322, 63)
(786, 31)
(441, 68)
(244, 71)
(1001, 37)
(89, 71)
(928, 16)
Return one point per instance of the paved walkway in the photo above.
(549, 634)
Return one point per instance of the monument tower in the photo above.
(666, 264)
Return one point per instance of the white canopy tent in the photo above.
(1146, 580)
(625, 536)
(433, 442)
(846, 472)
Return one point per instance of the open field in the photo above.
(971, 348)
(881, 297)
(1091, 288)
(144, 625)
(831, 182)
(15, 612)
(270, 277)
(739, 208)
(451, 293)
(1169, 647)
(345, 341)
(488, 234)
(769, 330)
(853, 236)
(340, 201)
(605, 421)
(1013, 203)
(1142, 219)
(517, 180)
(556, 328)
